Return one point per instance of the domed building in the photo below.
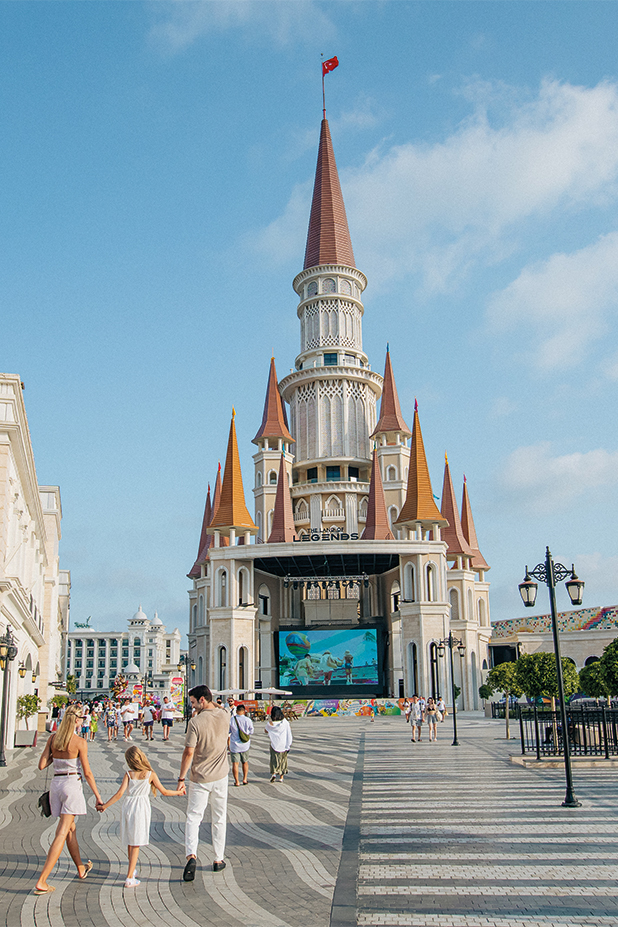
(146, 653)
(348, 575)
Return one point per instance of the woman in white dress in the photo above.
(66, 751)
(141, 780)
(280, 734)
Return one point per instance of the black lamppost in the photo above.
(8, 652)
(183, 664)
(550, 573)
(451, 642)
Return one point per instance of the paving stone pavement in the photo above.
(368, 830)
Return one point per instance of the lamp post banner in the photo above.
(177, 692)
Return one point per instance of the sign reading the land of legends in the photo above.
(328, 658)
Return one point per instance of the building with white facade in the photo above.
(34, 592)
(146, 649)
(346, 532)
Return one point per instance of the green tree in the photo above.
(71, 684)
(27, 705)
(609, 667)
(536, 675)
(57, 701)
(592, 682)
(503, 678)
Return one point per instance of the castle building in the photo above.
(346, 534)
(146, 651)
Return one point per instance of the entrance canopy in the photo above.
(328, 564)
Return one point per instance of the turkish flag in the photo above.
(329, 65)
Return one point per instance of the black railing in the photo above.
(592, 731)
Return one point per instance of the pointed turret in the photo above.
(469, 531)
(328, 238)
(377, 527)
(453, 534)
(232, 511)
(419, 506)
(274, 424)
(391, 418)
(283, 517)
(223, 541)
(204, 536)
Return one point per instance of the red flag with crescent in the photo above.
(329, 65)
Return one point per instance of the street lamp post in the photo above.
(550, 573)
(451, 642)
(185, 663)
(8, 652)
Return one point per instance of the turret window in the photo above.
(272, 478)
(353, 474)
(312, 289)
(346, 287)
(312, 475)
(258, 479)
(330, 360)
(329, 285)
(333, 474)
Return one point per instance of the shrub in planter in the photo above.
(27, 705)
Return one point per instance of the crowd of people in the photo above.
(214, 730)
(419, 711)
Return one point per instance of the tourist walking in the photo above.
(110, 721)
(280, 734)
(148, 721)
(241, 729)
(85, 729)
(94, 723)
(205, 754)
(431, 715)
(127, 719)
(66, 752)
(167, 717)
(139, 782)
(416, 719)
(441, 707)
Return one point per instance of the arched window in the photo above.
(241, 587)
(194, 617)
(475, 682)
(222, 588)
(433, 666)
(362, 509)
(272, 477)
(409, 583)
(264, 599)
(301, 509)
(412, 670)
(258, 478)
(391, 474)
(242, 667)
(470, 615)
(395, 596)
(258, 524)
(485, 665)
(393, 512)
(329, 285)
(269, 519)
(590, 660)
(482, 612)
(454, 600)
(201, 600)
(430, 577)
(200, 671)
(222, 668)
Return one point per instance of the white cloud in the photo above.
(183, 22)
(546, 483)
(563, 301)
(437, 210)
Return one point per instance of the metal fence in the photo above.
(592, 731)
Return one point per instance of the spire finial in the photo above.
(415, 404)
(445, 457)
(388, 347)
(233, 412)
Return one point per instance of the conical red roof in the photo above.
(391, 418)
(419, 505)
(377, 527)
(469, 531)
(328, 238)
(203, 545)
(274, 424)
(283, 517)
(232, 511)
(223, 541)
(452, 534)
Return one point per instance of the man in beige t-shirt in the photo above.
(206, 754)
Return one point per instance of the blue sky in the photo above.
(157, 161)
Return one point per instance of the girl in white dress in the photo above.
(140, 780)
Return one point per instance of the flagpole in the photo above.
(323, 90)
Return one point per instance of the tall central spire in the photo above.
(328, 238)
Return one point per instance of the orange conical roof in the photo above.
(377, 527)
(469, 531)
(283, 517)
(391, 418)
(419, 505)
(203, 545)
(223, 541)
(232, 511)
(274, 424)
(328, 238)
(453, 535)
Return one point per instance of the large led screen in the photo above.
(328, 658)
